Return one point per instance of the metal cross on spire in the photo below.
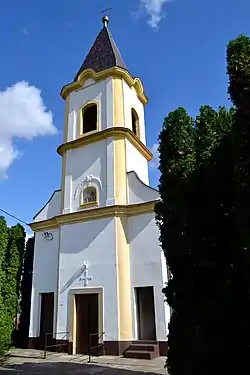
(105, 18)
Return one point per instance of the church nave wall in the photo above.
(136, 162)
(88, 260)
(45, 275)
(52, 207)
(146, 267)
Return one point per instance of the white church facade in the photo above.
(98, 267)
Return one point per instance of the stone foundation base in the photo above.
(115, 348)
(38, 343)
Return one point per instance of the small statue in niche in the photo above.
(89, 195)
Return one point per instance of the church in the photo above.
(98, 266)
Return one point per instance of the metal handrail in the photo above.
(97, 346)
(54, 345)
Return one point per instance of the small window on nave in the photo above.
(89, 118)
(135, 122)
(88, 196)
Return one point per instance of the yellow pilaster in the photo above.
(118, 102)
(125, 327)
(65, 139)
(120, 175)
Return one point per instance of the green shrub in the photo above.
(5, 334)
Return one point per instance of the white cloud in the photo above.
(155, 161)
(22, 115)
(154, 9)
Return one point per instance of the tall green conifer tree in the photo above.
(238, 67)
(3, 250)
(5, 323)
(177, 163)
(193, 217)
(13, 269)
(26, 287)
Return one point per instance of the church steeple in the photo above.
(104, 127)
(104, 53)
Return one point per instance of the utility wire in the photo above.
(14, 217)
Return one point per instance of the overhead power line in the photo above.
(14, 217)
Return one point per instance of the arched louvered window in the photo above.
(135, 122)
(89, 118)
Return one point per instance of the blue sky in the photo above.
(176, 47)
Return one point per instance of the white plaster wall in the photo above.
(92, 242)
(45, 274)
(101, 92)
(109, 122)
(131, 100)
(89, 82)
(138, 191)
(67, 198)
(165, 280)
(146, 266)
(86, 161)
(110, 176)
(136, 162)
(52, 208)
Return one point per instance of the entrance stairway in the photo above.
(142, 350)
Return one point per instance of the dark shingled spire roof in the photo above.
(103, 55)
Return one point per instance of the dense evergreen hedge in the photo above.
(12, 242)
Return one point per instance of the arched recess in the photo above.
(135, 122)
(89, 118)
(89, 196)
(83, 192)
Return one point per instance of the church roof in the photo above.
(103, 55)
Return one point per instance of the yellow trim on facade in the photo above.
(94, 214)
(66, 120)
(63, 181)
(80, 119)
(125, 325)
(120, 171)
(89, 204)
(72, 322)
(115, 72)
(116, 132)
(65, 139)
(118, 102)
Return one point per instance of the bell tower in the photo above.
(104, 130)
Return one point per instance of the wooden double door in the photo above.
(87, 322)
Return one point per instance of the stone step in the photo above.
(150, 342)
(145, 347)
(140, 354)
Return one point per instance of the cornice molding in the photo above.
(94, 214)
(114, 72)
(116, 132)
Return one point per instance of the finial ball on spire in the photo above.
(105, 20)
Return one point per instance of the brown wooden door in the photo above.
(47, 317)
(146, 313)
(86, 321)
